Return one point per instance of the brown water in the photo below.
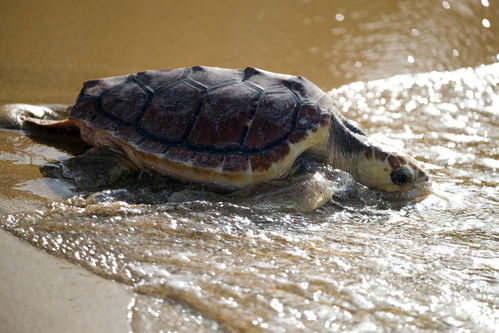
(360, 263)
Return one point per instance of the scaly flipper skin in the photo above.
(299, 193)
(49, 115)
(98, 168)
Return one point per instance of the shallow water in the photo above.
(360, 263)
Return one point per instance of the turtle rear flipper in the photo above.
(48, 115)
(98, 168)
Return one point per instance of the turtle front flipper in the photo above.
(49, 115)
(300, 193)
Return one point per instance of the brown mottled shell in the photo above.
(208, 124)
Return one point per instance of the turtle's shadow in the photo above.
(64, 140)
(110, 177)
(87, 170)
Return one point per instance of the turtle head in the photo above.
(382, 169)
(374, 163)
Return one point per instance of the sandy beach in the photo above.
(34, 284)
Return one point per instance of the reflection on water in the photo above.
(360, 263)
(353, 265)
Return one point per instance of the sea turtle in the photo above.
(229, 128)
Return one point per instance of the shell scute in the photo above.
(129, 134)
(273, 121)
(264, 79)
(172, 112)
(212, 77)
(223, 119)
(235, 163)
(299, 86)
(308, 116)
(84, 108)
(153, 146)
(297, 135)
(95, 88)
(179, 154)
(260, 162)
(155, 79)
(303, 88)
(208, 160)
(279, 152)
(103, 122)
(125, 103)
(263, 161)
(249, 72)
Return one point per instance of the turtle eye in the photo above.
(402, 176)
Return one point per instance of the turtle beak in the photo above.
(417, 190)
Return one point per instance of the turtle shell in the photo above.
(231, 127)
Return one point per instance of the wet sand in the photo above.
(42, 293)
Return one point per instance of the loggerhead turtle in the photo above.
(230, 128)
